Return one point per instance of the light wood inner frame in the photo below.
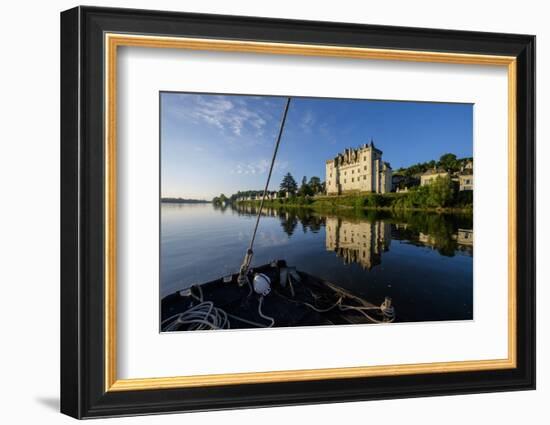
(113, 41)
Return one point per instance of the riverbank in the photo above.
(183, 201)
(383, 202)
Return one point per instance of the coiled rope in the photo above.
(206, 316)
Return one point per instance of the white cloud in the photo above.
(231, 115)
(308, 121)
(258, 167)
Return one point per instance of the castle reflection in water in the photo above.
(359, 242)
(364, 240)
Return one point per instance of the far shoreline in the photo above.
(183, 201)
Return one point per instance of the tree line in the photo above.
(447, 162)
(307, 188)
(183, 201)
(310, 187)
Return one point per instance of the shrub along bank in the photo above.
(442, 194)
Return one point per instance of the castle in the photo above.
(358, 170)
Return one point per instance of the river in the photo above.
(423, 261)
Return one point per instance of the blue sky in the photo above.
(212, 144)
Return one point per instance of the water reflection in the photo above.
(422, 261)
(289, 217)
(360, 242)
(362, 237)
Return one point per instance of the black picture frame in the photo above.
(83, 392)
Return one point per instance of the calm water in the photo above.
(422, 261)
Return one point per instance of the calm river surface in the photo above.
(422, 261)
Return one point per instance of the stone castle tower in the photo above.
(358, 170)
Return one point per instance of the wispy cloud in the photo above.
(258, 167)
(308, 121)
(231, 115)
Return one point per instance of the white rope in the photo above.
(206, 316)
(359, 309)
(271, 319)
(203, 316)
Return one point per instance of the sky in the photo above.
(212, 144)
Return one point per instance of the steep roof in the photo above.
(354, 152)
(432, 171)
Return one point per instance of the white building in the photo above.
(358, 170)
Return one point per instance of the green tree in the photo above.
(441, 192)
(305, 189)
(220, 199)
(315, 184)
(448, 162)
(289, 184)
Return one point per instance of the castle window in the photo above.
(344, 180)
(364, 158)
(365, 167)
(352, 179)
(364, 177)
(352, 171)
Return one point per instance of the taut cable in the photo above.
(242, 279)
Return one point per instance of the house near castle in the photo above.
(431, 175)
(464, 178)
(358, 170)
(402, 183)
(466, 181)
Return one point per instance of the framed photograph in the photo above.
(261, 212)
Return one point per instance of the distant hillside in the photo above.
(183, 201)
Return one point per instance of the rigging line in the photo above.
(270, 171)
(242, 278)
